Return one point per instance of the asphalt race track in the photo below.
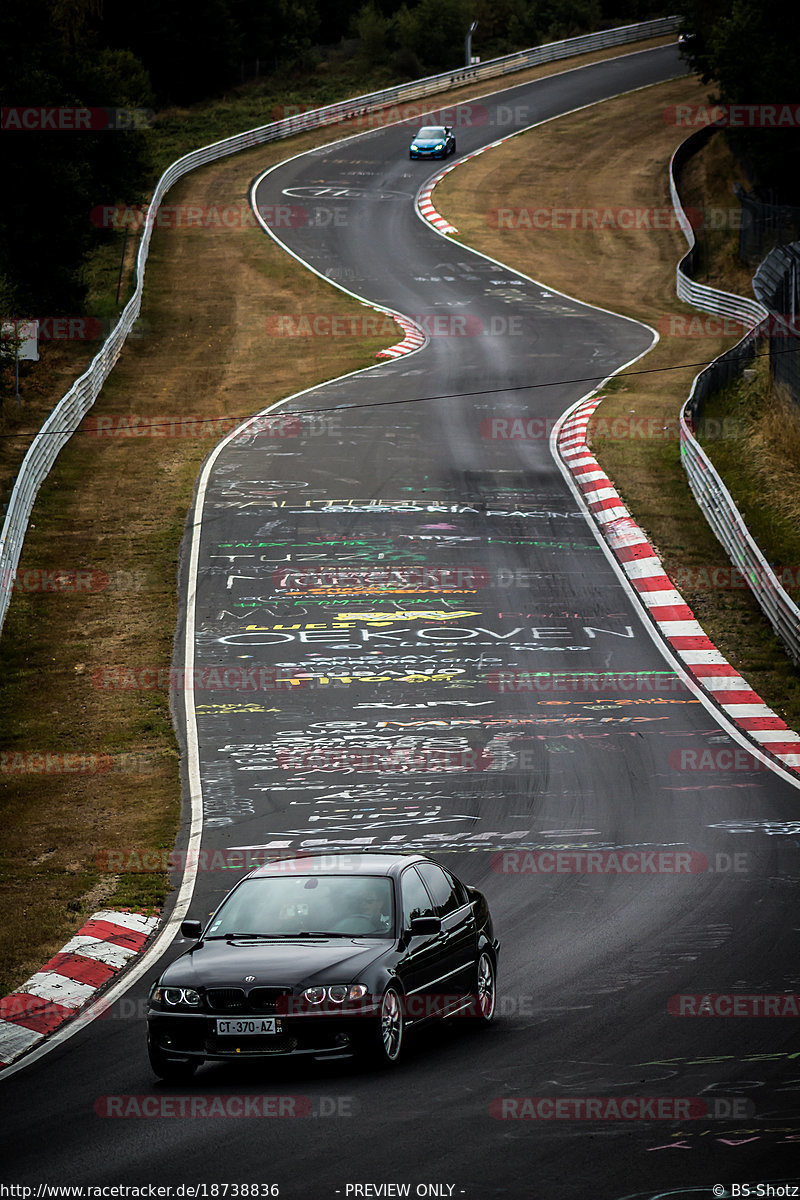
(446, 661)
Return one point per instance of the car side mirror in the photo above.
(191, 929)
(420, 925)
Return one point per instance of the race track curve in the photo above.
(439, 599)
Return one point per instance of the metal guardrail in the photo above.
(724, 304)
(709, 491)
(74, 405)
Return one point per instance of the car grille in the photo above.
(251, 1045)
(267, 999)
(225, 999)
(257, 1000)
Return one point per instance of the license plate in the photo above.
(242, 1026)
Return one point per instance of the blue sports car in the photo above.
(433, 141)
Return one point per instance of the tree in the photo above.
(557, 19)
(374, 32)
(750, 50)
(434, 32)
(59, 176)
(190, 48)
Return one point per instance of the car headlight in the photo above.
(337, 993)
(175, 997)
(439, 146)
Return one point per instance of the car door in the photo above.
(420, 966)
(459, 932)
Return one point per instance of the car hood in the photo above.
(220, 963)
(425, 142)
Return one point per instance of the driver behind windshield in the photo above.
(363, 912)
(286, 907)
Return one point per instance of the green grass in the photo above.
(756, 421)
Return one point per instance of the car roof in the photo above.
(442, 127)
(363, 862)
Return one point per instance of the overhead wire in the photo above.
(311, 412)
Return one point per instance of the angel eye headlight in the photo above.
(175, 996)
(336, 993)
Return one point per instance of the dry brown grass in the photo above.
(773, 438)
(775, 452)
(761, 464)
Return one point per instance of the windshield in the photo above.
(304, 905)
(431, 131)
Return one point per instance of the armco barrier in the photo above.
(72, 408)
(712, 496)
(724, 304)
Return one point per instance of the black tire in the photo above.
(167, 1068)
(385, 1045)
(485, 989)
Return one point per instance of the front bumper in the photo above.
(193, 1036)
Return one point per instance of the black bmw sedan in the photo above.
(325, 956)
